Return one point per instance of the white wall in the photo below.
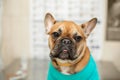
(1, 66)
(111, 49)
(15, 30)
(111, 52)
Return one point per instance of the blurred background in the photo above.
(24, 52)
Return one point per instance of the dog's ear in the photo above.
(89, 26)
(49, 21)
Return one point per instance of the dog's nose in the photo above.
(66, 41)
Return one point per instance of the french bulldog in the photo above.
(69, 54)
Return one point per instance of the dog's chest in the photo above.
(65, 70)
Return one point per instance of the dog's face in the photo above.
(67, 39)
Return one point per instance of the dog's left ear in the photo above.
(49, 21)
(89, 26)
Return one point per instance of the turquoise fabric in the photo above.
(89, 72)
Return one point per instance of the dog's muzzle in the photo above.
(64, 50)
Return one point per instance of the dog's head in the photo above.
(66, 38)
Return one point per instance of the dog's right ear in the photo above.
(49, 21)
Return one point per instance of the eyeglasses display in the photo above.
(78, 11)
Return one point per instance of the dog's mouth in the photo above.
(64, 53)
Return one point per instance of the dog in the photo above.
(69, 54)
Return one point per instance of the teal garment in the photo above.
(89, 72)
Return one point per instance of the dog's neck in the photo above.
(77, 66)
(83, 62)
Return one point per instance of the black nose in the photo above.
(66, 41)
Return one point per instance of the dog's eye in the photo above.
(55, 34)
(77, 38)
